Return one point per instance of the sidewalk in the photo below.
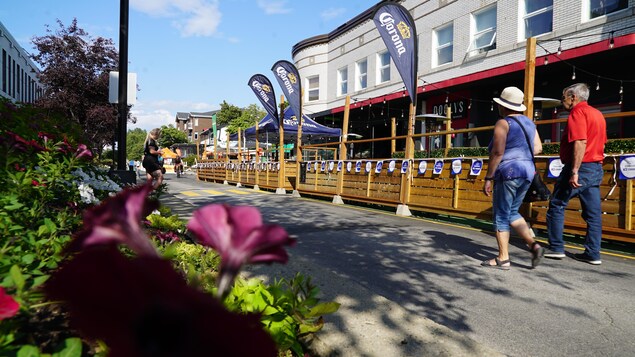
(368, 325)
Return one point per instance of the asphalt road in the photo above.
(397, 278)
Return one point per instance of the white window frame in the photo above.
(361, 77)
(524, 16)
(586, 10)
(312, 92)
(474, 35)
(381, 67)
(342, 81)
(438, 47)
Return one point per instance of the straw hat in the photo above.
(512, 98)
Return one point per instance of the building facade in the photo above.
(194, 123)
(18, 72)
(468, 51)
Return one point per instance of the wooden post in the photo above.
(404, 195)
(239, 156)
(393, 133)
(227, 159)
(340, 175)
(448, 127)
(628, 211)
(530, 76)
(280, 189)
(298, 153)
(256, 171)
(215, 145)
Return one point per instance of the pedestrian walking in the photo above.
(151, 155)
(509, 174)
(582, 153)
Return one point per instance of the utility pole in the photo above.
(123, 84)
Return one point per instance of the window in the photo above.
(383, 67)
(483, 30)
(361, 74)
(342, 81)
(4, 71)
(537, 17)
(444, 45)
(313, 85)
(597, 8)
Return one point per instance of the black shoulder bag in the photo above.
(538, 191)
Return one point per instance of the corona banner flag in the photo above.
(289, 80)
(397, 29)
(263, 89)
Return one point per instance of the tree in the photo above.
(135, 141)
(171, 135)
(74, 74)
(227, 113)
(249, 117)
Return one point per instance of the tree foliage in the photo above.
(171, 135)
(74, 73)
(248, 118)
(135, 140)
(227, 113)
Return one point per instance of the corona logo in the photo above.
(404, 30)
(261, 89)
(388, 23)
(286, 78)
(292, 78)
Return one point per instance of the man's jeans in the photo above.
(589, 176)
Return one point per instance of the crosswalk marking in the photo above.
(239, 192)
(190, 193)
(213, 192)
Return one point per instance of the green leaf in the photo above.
(305, 328)
(72, 348)
(324, 308)
(40, 280)
(28, 351)
(17, 277)
(28, 258)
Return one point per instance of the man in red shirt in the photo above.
(582, 153)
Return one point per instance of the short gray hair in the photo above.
(581, 90)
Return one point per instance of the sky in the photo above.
(189, 55)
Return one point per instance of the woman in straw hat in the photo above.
(509, 174)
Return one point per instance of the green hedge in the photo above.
(613, 146)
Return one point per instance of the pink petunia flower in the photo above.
(117, 220)
(83, 152)
(142, 307)
(238, 235)
(8, 306)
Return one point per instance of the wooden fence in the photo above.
(445, 193)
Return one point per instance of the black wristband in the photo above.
(488, 178)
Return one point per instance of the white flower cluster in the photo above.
(93, 180)
(87, 194)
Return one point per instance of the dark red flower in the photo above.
(36, 183)
(117, 220)
(8, 306)
(142, 307)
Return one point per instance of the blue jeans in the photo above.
(589, 176)
(508, 196)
